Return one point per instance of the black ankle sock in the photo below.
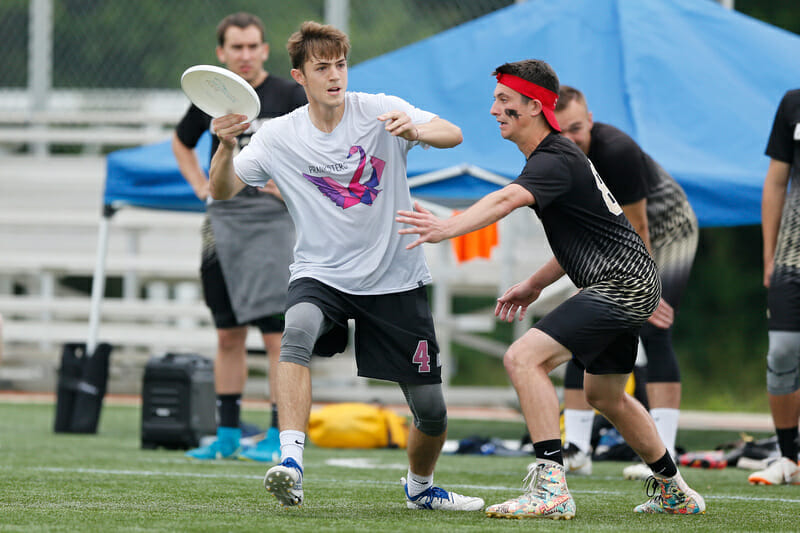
(664, 467)
(228, 407)
(274, 423)
(787, 442)
(550, 450)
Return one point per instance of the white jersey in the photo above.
(343, 190)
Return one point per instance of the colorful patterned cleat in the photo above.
(285, 482)
(782, 471)
(267, 450)
(546, 495)
(438, 499)
(671, 496)
(226, 446)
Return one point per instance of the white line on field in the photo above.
(363, 481)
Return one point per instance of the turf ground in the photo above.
(106, 482)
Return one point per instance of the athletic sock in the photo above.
(292, 445)
(229, 408)
(664, 467)
(274, 422)
(787, 442)
(416, 484)
(666, 420)
(578, 428)
(549, 450)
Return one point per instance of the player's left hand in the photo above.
(426, 225)
(663, 316)
(399, 124)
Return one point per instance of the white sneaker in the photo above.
(782, 471)
(285, 482)
(637, 472)
(438, 499)
(576, 461)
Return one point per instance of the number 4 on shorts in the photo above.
(422, 357)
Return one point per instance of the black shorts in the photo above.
(602, 339)
(219, 303)
(395, 338)
(783, 303)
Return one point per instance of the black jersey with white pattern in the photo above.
(784, 145)
(590, 237)
(632, 175)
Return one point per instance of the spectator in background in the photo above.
(340, 162)
(247, 242)
(659, 211)
(597, 247)
(780, 226)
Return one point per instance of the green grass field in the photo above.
(105, 482)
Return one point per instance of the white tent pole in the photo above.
(99, 279)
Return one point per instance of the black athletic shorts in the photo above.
(219, 303)
(394, 338)
(599, 335)
(783, 304)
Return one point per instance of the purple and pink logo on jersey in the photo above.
(355, 192)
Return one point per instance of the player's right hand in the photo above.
(228, 127)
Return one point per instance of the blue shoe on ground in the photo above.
(285, 482)
(225, 447)
(267, 450)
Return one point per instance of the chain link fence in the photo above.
(146, 44)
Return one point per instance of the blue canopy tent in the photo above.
(695, 84)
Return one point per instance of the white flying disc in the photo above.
(218, 91)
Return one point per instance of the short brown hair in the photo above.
(316, 40)
(240, 20)
(566, 95)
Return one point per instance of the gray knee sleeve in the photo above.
(427, 405)
(303, 325)
(783, 362)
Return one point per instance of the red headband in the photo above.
(547, 97)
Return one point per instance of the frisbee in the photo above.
(218, 91)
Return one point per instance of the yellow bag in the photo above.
(357, 425)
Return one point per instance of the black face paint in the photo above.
(512, 113)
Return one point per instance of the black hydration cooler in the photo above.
(178, 401)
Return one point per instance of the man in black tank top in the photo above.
(659, 211)
(595, 245)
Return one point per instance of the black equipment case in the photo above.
(178, 401)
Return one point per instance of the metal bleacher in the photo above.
(50, 212)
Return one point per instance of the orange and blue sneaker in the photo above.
(546, 495)
(671, 496)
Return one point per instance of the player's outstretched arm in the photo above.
(224, 184)
(485, 211)
(438, 133)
